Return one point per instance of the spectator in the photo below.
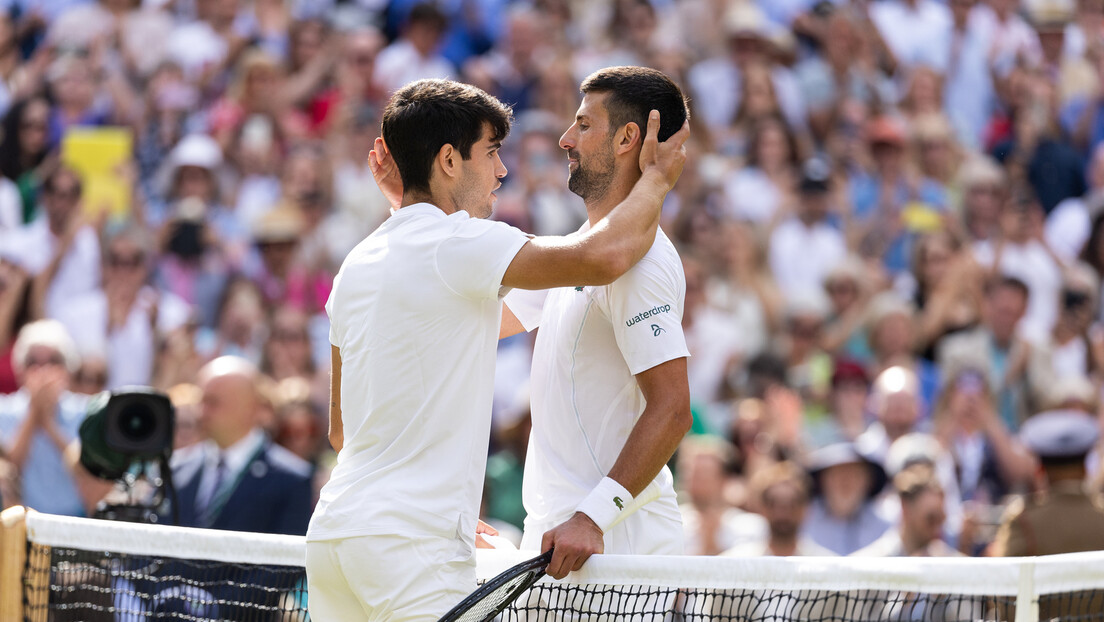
(842, 516)
(998, 342)
(59, 248)
(712, 524)
(892, 333)
(764, 188)
(258, 89)
(781, 492)
(990, 463)
(414, 55)
(23, 148)
(921, 530)
(917, 31)
(968, 94)
(805, 246)
(1069, 225)
(238, 479)
(949, 290)
(14, 314)
(895, 402)
(127, 319)
(849, 289)
(717, 83)
(1075, 346)
(981, 182)
(891, 206)
(42, 418)
(287, 352)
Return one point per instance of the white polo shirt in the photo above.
(415, 311)
(585, 400)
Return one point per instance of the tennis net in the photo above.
(57, 568)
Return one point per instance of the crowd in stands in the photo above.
(891, 224)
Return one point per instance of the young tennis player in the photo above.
(415, 316)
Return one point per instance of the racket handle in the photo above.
(650, 493)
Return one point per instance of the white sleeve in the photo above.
(335, 338)
(527, 305)
(645, 307)
(471, 262)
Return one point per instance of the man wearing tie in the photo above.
(238, 479)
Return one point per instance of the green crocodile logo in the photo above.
(619, 503)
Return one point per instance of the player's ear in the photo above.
(446, 160)
(628, 138)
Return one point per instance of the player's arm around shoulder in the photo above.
(614, 244)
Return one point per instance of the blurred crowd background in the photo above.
(891, 223)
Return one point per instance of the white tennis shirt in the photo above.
(415, 311)
(585, 400)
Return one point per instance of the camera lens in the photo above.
(136, 422)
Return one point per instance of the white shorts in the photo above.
(387, 578)
(642, 533)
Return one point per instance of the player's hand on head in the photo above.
(573, 542)
(667, 157)
(386, 173)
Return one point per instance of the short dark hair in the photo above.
(426, 115)
(915, 480)
(1005, 281)
(634, 92)
(59, 172)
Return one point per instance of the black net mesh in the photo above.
(621, 602)
(65, 584)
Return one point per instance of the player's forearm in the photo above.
(650, 445)
(624, 236)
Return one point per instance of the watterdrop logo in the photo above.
(649, 313)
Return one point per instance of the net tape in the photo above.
(99, 570)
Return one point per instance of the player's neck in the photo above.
(599, 207)
(440, 200)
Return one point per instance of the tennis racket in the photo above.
(497, 594)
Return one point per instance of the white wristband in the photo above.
(605, 503)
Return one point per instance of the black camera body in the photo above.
(134, 424)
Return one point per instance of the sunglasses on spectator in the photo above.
(56, 360)
(288, 335)
(63, 193)
(96, 379)
(131, 262)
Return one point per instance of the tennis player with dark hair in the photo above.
(610, 397)
(415, 317)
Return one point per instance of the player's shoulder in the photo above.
(662, 261)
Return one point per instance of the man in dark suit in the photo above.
(238, 479)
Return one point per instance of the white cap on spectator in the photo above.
(807, 303)
(48, 334)
(980, 169)
(193, 150)
(886, 304)
(745, 18)
(910, 449)
(957, 356)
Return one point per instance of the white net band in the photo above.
(967, 576)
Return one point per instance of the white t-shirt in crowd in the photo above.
(585, 399)
(130, 348)
(1032, 264)
(802, 256)
(415, 311)
(32, 247)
